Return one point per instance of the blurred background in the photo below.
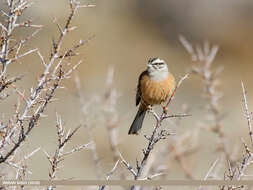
(127, 33)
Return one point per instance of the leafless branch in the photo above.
(15, 10)
(248, 115)
(203, 58)
(85, 113)
(155, 136)
(44, 90)
(111, 114)
(128, 166)
(209, 171)
(59, 154)
(110, 174)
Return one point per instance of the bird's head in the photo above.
(157, 69)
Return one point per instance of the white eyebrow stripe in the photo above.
(158, 60)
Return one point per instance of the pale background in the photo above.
(127, 33)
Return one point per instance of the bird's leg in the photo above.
(165, 109)
(150, 110)
(149, 107)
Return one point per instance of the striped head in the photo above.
(157, 69)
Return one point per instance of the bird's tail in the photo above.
(137, 123)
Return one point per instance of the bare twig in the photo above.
(203, 58)
(209, 171)
(5, 83)
(128, 166)
(110, 174)
(177, 86)
(248, 115)
(177, 116)
(155, 136)
(23, 123)
(237, 172)
(152, 176)
(59, 154)
(15, 10)
(84, 109)
(111, 114)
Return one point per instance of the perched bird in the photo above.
(155, 85)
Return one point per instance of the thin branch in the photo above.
(59, 154)
(84, 109)
(177, 86)
(176, 116)
(153, 176)
(128, 166)
(77, 149)
(110, 174)
(155, 136)
(203, 58)
(248, 114)
(46, 86)
(209, 171)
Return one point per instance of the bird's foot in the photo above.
(149, 108)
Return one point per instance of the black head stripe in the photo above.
(152, 59)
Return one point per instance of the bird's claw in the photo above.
(149, 107)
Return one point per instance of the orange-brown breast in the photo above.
(156, 92)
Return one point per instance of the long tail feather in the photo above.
(137, 123)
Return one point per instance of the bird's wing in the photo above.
(138, 93)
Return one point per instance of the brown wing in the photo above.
(138, 93)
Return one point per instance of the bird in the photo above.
(155, 85)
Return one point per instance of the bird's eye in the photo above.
(160, 63)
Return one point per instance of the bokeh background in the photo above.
(127, 33)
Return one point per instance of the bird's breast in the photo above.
(155, 92)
